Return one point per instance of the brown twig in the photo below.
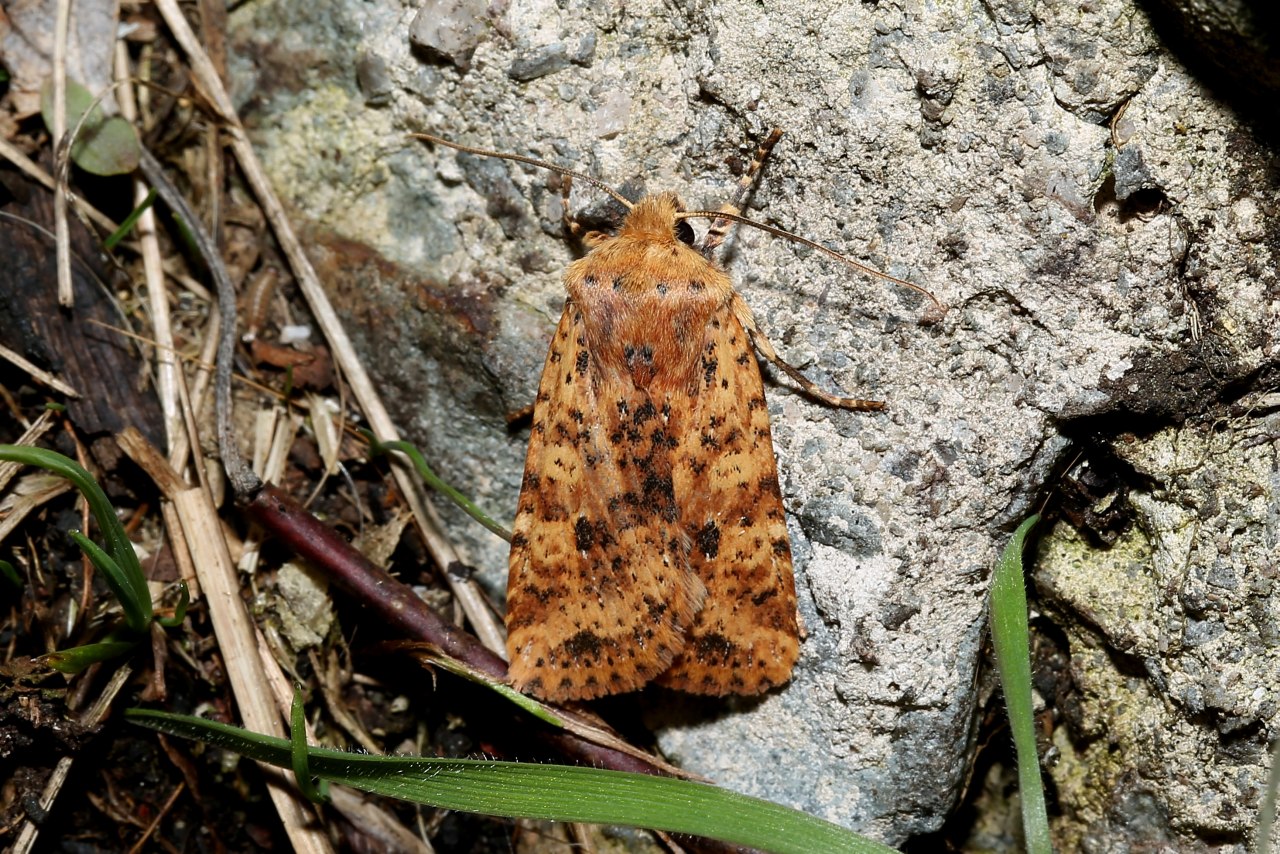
(373, 586)
(242, 478)
(155, 822)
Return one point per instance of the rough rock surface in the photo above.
(1102, 230)
(1173, 636)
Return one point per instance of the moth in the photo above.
(650, 543)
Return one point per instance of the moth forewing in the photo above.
(745, 638)
(599, 591)
(650, 541)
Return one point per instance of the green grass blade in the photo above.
(79, 657)
(433, 480)
(1012, 643)
(127, 580)
(299, 753)
(179, 610)
(129, 222)
(100, 559)
(10, 574)
(551, 792)
(432, 654)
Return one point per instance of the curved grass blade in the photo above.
(129, 222)
(123, 573)
(433, 480)
(299, 756)
(179, 610)
(435, 657)
(100, 559)
(550, 792)
(1011, 640)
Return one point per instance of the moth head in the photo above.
(657, 218)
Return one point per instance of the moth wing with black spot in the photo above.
(600, 590)
(744, 640)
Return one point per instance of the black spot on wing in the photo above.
(709, 367)
(714, 647)
(708, 540)
(583, 534)
(764, 596)
(584, 644)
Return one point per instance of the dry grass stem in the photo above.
(62, 153)
(30, 438)
(232, 624)
(466, 591)
(167, 366)
(37, 373)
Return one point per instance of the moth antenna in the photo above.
(532, 161)
(830, 253)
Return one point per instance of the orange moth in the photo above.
(650, 542)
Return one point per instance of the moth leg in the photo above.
(720, 227)
(571, 224)
(762, 345)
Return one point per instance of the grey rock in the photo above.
(539, 61)
(829, 521)
(1131, 173)
(373, 80)
(450, 30)
(1100, 54)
